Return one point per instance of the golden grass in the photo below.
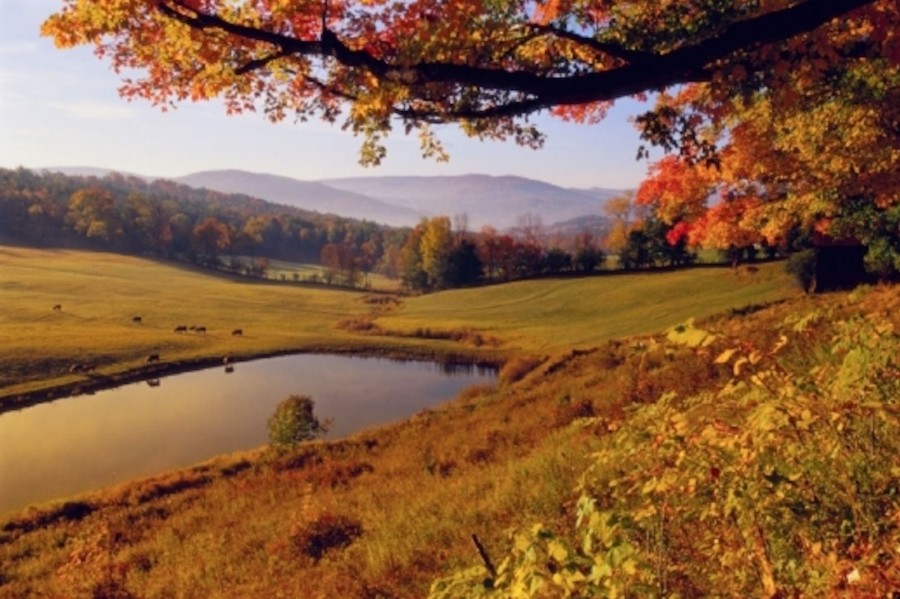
(545, 315)
(101, 293)
(497, 457)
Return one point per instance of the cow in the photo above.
(181, 329)
(237, 332)
(136, 319)
(229, 369)
(153, 382)
(152, 358)
(200, 329)
(57, 307)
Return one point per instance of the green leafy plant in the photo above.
(294, 422)
(783, 482)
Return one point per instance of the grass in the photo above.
(548, 315)
(101, 293)
(402, 501)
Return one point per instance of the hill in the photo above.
(307, 195)
(487, 200)
(659, 420)
(498, 201)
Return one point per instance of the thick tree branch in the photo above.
(641, 72)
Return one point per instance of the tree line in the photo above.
(165, 219)
(242, 234)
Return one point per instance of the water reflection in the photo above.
(67, 446)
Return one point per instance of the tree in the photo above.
(487, 66)
(771, 105)
(294, 422)
(435, 246)
(463, 264)
(212, 237)
(811, 144)
(587, 255)
(92, 213)
(625, 215)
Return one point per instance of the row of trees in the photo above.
(243, 234)
(173, 221)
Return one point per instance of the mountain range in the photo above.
(499, 201)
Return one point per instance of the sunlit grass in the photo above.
(550, 314)
(102, 293)
(498, 457)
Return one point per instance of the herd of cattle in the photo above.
(152, 358)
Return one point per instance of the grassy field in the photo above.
(100, 294)
(552, 314)
(387, 511)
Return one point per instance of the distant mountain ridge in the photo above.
(486, 199)
(498, 201)
(309, 195)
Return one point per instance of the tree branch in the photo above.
(641, 72)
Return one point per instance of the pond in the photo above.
(65, 447)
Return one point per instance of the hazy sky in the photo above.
(61, 108)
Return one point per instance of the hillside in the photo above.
(390, 510)
(307, 195)
(498, 201)
(487, 200)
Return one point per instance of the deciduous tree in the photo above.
(486, 65)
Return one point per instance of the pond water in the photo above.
(65, 447)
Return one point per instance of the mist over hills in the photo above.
(499, 201)
(486, 199)
(309, 195)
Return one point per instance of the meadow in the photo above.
(387, 512)
(101, 293)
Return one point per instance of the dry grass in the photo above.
(380, 514)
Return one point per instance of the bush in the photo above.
(327, 532)
(293, 422)
(802, 266)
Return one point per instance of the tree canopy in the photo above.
(486, 64)
(787, 108)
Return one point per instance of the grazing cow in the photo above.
(136, 319)
(57, 307)
(200, 330)
(152, 358)
(181, 329)
(229, 369)
(237, 332)
(153, 382)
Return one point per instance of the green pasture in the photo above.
(551, 314)
(101, 293)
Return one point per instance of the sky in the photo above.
(62, 108)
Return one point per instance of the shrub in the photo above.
(802, 266)
(293, 422)
(328, 531)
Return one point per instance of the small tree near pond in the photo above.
(293, 422)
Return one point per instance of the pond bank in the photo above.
(100, 382)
